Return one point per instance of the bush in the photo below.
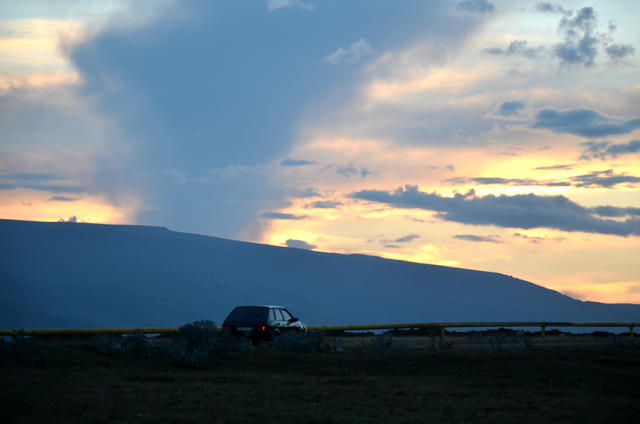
(298, 341)
(225, 344)
(193, 345)
(24, 350)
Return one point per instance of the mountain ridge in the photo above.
(104, 275)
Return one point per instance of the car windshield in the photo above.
(247, 315)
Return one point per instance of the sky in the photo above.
(493, 135)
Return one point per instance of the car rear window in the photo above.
(247, 315)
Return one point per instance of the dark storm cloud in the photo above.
(407, 238)
(285, 216)
(583, 122)
(516, 48)
(296, 162)
(553, 8)
(300, 244)
(606, 179)
(607, 150)
(473, 237)
(518, 211)
(323, 204)
(477, 6)
(511, 107)
(219, 84)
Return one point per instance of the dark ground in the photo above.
(70, 383)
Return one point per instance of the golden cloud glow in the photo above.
(32, 205)
(30, 52)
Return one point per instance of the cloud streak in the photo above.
(480, 239)
(583, 122)
(296, 162)
(518, 211)
(517, 48)
(283, 216)
(352, 54)
(604, 150)
(475, 6)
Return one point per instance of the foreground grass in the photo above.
(536, 385)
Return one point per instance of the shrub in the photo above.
(193, 345)
(24, 350)
(298, 341)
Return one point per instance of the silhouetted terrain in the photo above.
(89, 275)
(578, 385)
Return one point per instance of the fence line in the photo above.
(355, 327)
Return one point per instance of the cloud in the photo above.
(511, 107)
(477, 6)
(352, 54)
(553, 8)
(506, 181)
(407, 238)
(615, 212)
(605, 179)
(284, 216)
(607, 150)
(62, 199)
(517, 48)
(552, 167)
(524, 211)
(350, 170)
(618, 52)
(203, 85)
(295, 162)
(580, 42)
(281, 4)
(583, 122)
(323, 204)
(54, 188)
(475, 238)
(31, 177)
(300, 244)
(307, 192)
(537, 239)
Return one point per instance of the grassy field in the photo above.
(75, 383)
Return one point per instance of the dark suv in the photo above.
(261, 323)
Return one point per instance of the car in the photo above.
(261, 323)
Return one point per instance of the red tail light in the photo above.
(263, 328)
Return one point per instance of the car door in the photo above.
(278, 318)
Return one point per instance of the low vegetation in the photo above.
(202, 375)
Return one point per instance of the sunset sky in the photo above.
(493, 135)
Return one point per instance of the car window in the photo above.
(272, 315)
(247, 315)
(278, 314)
(286, 315)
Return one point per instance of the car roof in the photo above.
(260, 306)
